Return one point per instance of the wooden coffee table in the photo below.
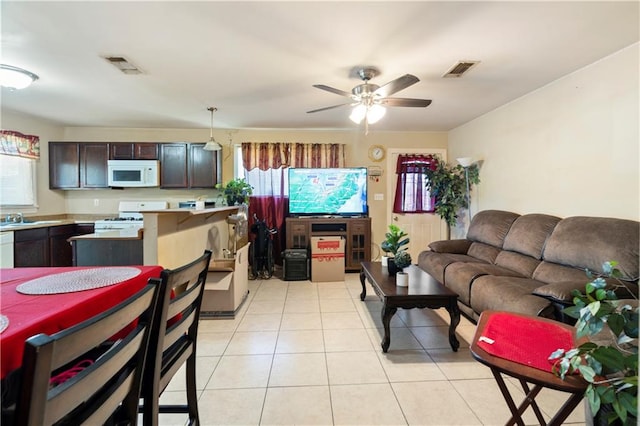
(423, 292)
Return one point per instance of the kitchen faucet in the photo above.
(14, 218)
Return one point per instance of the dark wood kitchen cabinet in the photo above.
(184, 165)
(48, 246)
(78, 165)
(204, 167)
(31, 248)
(133, 151)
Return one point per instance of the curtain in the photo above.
(266, 164)
(20, 145)
(411, 194)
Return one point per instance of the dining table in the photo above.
(51, 299)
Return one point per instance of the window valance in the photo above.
(273, 155)
(20, 145)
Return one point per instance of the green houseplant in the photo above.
(395, 240)
(609, 361)
(447, 185)
(236, 191)
(402, 259)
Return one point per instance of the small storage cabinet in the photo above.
(133, 151)
(356, 231)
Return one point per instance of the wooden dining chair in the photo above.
(101, 382)
(173, 339)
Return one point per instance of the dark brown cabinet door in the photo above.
(64, 165)
(204, 170)
(133, 151)
(145, 151)
(74, 165)
(93, 165)
(59, 248)
(173, 165)
(31, 248)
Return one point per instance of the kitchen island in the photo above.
(174, 237)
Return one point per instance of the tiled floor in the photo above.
(309, 354)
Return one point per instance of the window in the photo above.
(18, 181)
(412, 195)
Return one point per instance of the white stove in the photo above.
(130, 216)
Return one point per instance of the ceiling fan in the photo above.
(369, 99)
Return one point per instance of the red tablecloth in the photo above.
(32, 314)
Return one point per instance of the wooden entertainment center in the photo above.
(355, 230)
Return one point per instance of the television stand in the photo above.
(355, 230)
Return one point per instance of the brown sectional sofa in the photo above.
(530, 263)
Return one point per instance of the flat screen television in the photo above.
(328, 192)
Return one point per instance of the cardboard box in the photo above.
(327, 259)
(227, 285)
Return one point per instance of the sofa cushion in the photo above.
(509, 294)
(587, 242)
(460, 276)
(491, 227)
(529, 233)
(436, 263)
(523, 265)
(483, 252)
(548, 272)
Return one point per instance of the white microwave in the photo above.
(133, 173)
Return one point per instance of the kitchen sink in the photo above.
(4, 225)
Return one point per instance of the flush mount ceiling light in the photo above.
(212, 145)
(15, 78)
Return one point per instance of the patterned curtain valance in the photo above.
(17, 144)
(273, 155)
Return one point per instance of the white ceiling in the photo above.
(257, 61)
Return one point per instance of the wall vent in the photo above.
(123, 64)
(460, 68)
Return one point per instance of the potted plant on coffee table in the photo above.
(402, 259)
(609, 361)
(395, 240)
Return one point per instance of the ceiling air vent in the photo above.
(123, 65)
(460, 68)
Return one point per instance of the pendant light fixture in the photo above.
(15, 78)
(212, 145)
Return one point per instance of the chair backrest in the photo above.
(175, 327)
(107, 388)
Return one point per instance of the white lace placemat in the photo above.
(79, 280)
(4, 323)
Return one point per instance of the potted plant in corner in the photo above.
(395, 240)
(447, 185)
(402, 259)
(236, 191)
(609, 361)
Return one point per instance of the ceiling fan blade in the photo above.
(332, 90)
(329, 107)
(396, 85)
(406, 102)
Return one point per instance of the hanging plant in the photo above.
(448, 186)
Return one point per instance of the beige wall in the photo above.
(569, 148)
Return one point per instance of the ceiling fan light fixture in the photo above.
(212, 145)
(375, 113)
(15, 78)
(358, 113)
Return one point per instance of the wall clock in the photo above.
(376, 152)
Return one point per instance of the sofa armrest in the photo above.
(450, 246)
(560, 291)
